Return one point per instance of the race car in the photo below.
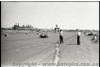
(90, 34)
(43, 35)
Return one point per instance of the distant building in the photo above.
(23, 27)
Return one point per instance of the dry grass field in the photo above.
(19, 47)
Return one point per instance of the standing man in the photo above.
(56, 29)
(78, 36)
(61, 36)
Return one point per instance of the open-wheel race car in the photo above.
(43, 35)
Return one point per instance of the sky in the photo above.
(67, 15)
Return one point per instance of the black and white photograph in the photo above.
(49, 34)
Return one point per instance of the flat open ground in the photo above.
(21, 47)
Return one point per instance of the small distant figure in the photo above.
(61, 36)
(6, 35)
(78, 36)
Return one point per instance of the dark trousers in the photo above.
(61, 39)
(78, 40)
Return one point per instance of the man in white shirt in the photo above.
(56, 28)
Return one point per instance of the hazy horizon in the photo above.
(67, 15)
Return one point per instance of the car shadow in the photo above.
(72, 44)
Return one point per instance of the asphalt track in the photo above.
(21, 47)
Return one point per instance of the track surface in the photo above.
(21, 47)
